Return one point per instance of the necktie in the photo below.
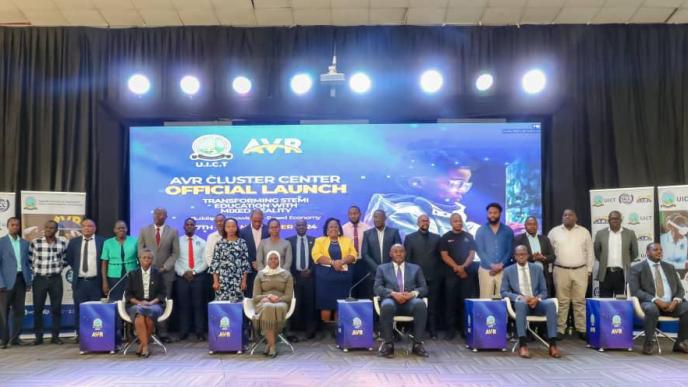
(527, 288)
(659, 284)
(356, 237)
(400, 279)
(84, 259)
(157, 236)
(303, 263)
(124, 269)
(191, 254)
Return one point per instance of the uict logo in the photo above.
(224, 327)
(626, 198)
(264, 145)
(491, 325)
(357, 324)
(211, 150)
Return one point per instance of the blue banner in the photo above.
(225, 326)
(355, 324)
(97, 326)
(609, 323)
(485, 324)
(315, 171)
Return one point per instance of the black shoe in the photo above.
(76, 340)
(310, 335)
(16, 343)
(200, 337)
(433, 334)
(582, 336)
(387, 351)
(38, 341)
(56, 340)
(419, 350)
(648, 348)
(681, 346)
(450, 335)
(292, 339)
(3, 345)
(181, 338)
(166, 339)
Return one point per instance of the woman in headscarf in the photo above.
(273, 290)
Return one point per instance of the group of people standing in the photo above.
(368, 260)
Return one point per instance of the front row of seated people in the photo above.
(401, 287)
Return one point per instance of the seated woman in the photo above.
(273, 290)
(145, 294)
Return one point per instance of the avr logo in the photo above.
(264, 145)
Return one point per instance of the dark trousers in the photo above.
(12, 309)
(304, 291)
(435, 288)
(614, 284)
(652, 314)
(44, 286)
(249, 284)
(86, 289)
(414, 307)
(456, 290)
(191, 298)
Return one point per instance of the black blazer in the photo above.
(247, 235)
(134, 287)
(642, 283)
(73, 256)
(370, 250)
(423, 251)
(545, 247)
(292, 241)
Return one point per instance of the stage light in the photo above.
(484, 82)
(301, 83)
(431, 81)
(190, 85)
(138, 84)
(242, 85)
(534, 81)
(360, 83)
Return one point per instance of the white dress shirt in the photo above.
(210, 246)
(572, 247)
(402, 267)
(524, 280)
(146, 283)
(257, 235)
(381, 240)
(92, 269)
(614, 255)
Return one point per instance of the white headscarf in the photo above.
(267, 270)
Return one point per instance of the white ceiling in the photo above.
(154, 13)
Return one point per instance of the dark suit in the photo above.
(422, 249)
(134, 287)
(642, 285)
(546, 250)
(304, 287)
(84, 289)
(613, 280)
(14, 283)
(511, 288)
(370, 253)
(386, 283)
(164, 257)
(246, 234)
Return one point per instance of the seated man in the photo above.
(659, 291)
(524, 284)
(401, 286)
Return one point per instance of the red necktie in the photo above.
(157, 236)
(356, 236)
(191, 257)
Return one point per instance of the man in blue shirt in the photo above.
(493, 242)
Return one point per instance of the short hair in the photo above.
(222, 231)
(54, 222)
(190, 219)
(570, 209)
(255, 211)
(274, 220)
(146, 250)
(11, 219)
(220, 214)
(380, 212)
(87, 220)
(356, 207)
(339, 225)
(531, 217)
(494, 205)
(649, 245)
(615, 212)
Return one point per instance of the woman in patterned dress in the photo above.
(230, 265)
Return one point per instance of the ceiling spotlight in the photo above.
(360, 83)
(534, 81)
(190, 85)
(241, 85)
(484, 82)
(431, 81)
(138, 84)
(301, 83)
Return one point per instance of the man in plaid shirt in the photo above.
(47, 258)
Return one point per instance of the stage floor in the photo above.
(320, 363)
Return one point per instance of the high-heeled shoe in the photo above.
(273, 352)
(145, 353)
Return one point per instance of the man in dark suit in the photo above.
(304, 280)
(163, 241)
(253, 234)
(615, 248)
(377, 243)
(657, 286)
(83, 256)
(524, 284)
(15, 281)
(422, 249)
(401, 287)
(540, 250)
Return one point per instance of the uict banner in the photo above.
(313, 172)
(673, 223)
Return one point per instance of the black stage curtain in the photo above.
(615, 112)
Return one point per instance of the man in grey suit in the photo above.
(401, 287)
(15, 281)
(163, 241)
(615, 247)
(524, 284)
(377, 243)
(657, 286)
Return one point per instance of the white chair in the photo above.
(250, 313)
(640, 313)
(122, 312)
(529, 319)
(397, 319)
